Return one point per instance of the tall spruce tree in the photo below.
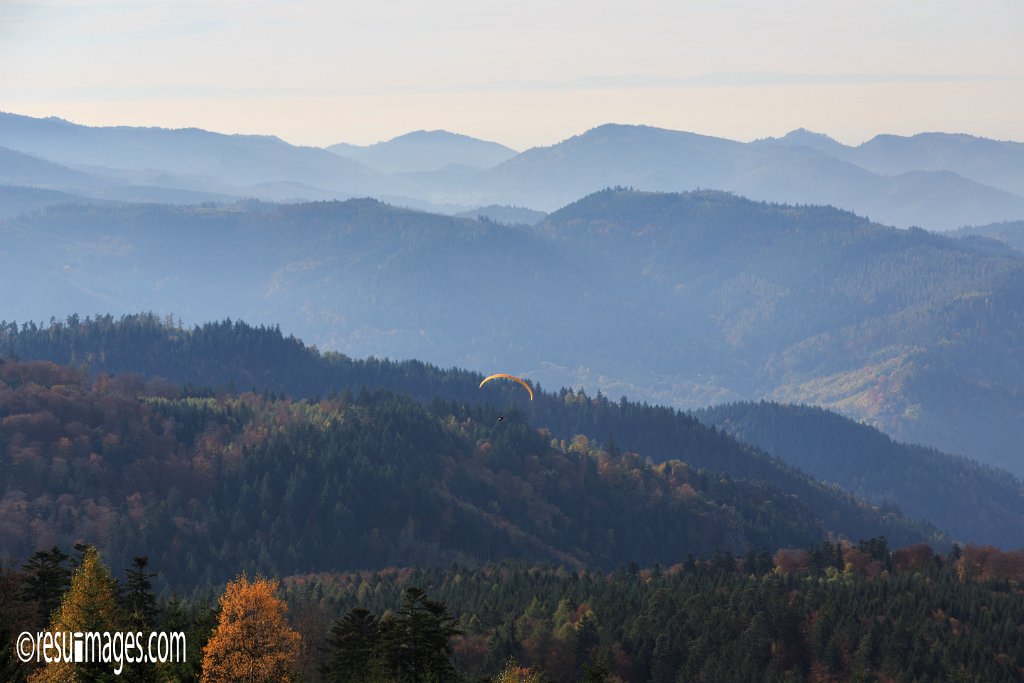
(354, 648)
(46, 577)
(139, 601)
(141, 614)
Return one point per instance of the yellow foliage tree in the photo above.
(90, 604)
(513, 673)
(252, 642)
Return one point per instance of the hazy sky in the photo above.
(522, 73)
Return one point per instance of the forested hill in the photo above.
(235, 356)
(1010, 233)
(206, 486)
(913, 332)
(969, 500)
(683, 299)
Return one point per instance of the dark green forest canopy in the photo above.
(860, 612)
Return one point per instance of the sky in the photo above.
(527, 73)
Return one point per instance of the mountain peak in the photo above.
(426, 150)
(813, 139)
(430, 136)
(619, 129)
(801, 134)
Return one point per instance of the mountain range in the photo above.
(996, 163)
(936, 181)
(683, 299)
(657, 159)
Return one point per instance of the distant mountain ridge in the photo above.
(426, 151)
(16, 200)
(1010, 233)
(936, 181)
(657, 159)
(509, 215)
(997, 163)
(17, 168)
(190, 159)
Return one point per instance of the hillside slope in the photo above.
(228, 355)
(208, 485)
(972, 502)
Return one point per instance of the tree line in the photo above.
(832, 611)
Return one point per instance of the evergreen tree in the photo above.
(197, 622)
(141, 614)
(662, 669)
(15, 617)
(46, 577)
(420, 648)
(140, 604)
(595, 670)
(354, 648)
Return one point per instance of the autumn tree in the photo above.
(252, 642)
(514, 673)
(90, 605)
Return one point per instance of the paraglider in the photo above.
(511, 377)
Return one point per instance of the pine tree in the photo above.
(354, 648)
(15, 616)
(420, 646)
(197, 622)
(140, 604)
(587, 638)
(662, 670)
(46, 579)
(141, 613)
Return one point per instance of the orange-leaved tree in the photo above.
(252, 641)
(90, 604)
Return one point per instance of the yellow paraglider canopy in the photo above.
(511, 377)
